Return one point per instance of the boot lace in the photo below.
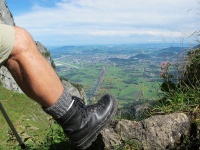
(87, 109)
(96, 106)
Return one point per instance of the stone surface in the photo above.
(137, 109)
(79, 92)
(5, 14)
(156, 132)
(5, 77)
(8, 81)
(45, 53)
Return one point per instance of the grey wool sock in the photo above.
(61, 106)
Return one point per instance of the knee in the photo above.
(23, 41)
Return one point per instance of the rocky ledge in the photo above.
(158, 132)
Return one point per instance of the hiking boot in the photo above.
(83, 123)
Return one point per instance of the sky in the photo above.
(85, 22)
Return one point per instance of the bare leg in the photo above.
(39, 81)
(32, 72)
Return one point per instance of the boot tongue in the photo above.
(79, 101)
(80, 105)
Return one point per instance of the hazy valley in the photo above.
(130, 72)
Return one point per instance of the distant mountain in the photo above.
(197, 46)
(140, 56)
(63, 48)
(170, 51)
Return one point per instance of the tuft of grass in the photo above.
(129, 145)
(178, 101)
(185, 95)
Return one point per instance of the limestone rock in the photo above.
(45, 53)
(5, 14)
(137, 109)
(157, 132)
(6, 78)
(74, 91)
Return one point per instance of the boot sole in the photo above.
(87, 141)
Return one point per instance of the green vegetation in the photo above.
(127, 86)
(37, 130)
(129, 145)
(184, 97)
(46, 54)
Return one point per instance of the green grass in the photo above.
(35, 127)
(178, 101)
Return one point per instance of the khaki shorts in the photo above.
(7, 39)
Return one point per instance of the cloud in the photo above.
(117, 18)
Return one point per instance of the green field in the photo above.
(132, 71)
(126, 86)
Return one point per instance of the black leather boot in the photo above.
(83, 123)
